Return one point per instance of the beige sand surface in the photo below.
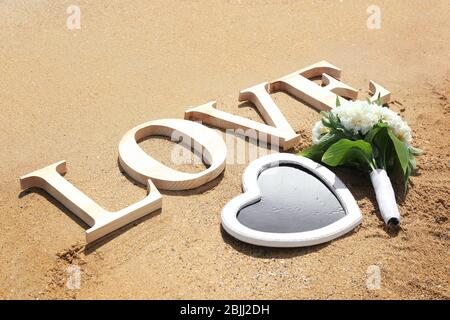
(73, 94)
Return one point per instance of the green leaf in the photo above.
(379, 99)
(412, 162)
(415, 151)
(402, 151)
(381, 144)
(324, 114)
(338, 103)
(335, 123)
(410, 169)
(348, 152)
(315, 152)
(326, 123)
(406, 179)
(374, 131)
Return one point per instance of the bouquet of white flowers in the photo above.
(370, 137)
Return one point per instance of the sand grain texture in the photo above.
(73, 94)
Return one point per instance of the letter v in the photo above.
(100, 220)
(277, 131)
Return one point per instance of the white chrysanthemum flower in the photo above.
(404, 134)
(318, 131)
(385, 114)
(401, 130)
(396, 123)
(357, 116)
(362, 116)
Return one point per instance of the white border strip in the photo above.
(252, 194)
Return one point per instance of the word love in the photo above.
(141, 167)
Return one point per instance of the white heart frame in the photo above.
(251, 194)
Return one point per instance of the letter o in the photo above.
(141, 166)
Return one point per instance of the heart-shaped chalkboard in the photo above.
(290, 201)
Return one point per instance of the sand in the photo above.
(73, 94)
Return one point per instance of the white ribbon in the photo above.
(385, 196)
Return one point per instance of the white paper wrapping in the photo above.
(385, 196)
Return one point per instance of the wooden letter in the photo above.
(141, 167)
(312, 71)
(277, 131)
(100, 220)
(338, 87)
(377, 90)
(323, 98)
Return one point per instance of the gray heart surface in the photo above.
(293, 200)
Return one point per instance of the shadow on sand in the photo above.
(273, 253)
(91, 247)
